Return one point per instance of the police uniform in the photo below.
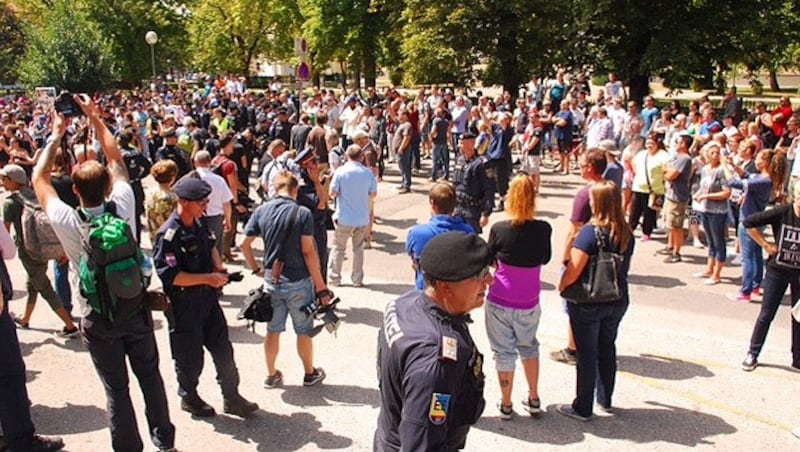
(138, 168)
(197, 319)
(307, 196)
(429, 369)
(474, 180)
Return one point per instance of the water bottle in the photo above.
(147, 270)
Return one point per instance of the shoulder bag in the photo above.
(258, 303)
(599, 281)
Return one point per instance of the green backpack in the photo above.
(110, 267)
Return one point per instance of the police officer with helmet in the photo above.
(429, 369)
(474, 178)
(192, 273)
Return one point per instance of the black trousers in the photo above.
(199, 322)
(503, 171)
(321, 240)
(638, 209)
(108, 346)
(15, 415)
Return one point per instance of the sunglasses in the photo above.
(485, 273)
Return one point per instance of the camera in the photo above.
(326, 313)
(67, 106)
(235, 277)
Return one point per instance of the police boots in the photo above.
(239, 406)
(195, 405)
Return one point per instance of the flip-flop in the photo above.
(23, 325)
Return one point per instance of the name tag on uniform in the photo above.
(449, 348)
(169, 235)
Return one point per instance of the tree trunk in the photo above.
(357, 74)
(370, 72)
(343, 67)
(638, 87)
(773, 80)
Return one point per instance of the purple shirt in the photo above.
(516, 287)
(581, 209)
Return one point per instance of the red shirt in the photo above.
(227, 165)
(779, 125)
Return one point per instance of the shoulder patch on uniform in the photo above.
(391, 327)
(440, 403)
(169, 234)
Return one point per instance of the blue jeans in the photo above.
(595, 329)
(288, 297)
(416, 140)
(404, 162)
(752, 261)
(714, 225)
(63, 289)
(773, 288)
(441, 161)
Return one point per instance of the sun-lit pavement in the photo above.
(679, 384)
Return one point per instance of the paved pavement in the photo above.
(679, 383)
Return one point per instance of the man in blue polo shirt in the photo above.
(353, 185)
(443, 203)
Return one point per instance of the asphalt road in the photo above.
(679, 385)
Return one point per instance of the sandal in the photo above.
(23, 325)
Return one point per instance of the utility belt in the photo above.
(467, 200)
(180, 293)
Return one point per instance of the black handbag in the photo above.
(599, 281)
(258, 303)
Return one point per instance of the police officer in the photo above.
(429, 369)
(192, 273)
(138, 168)
(474, 178)
(171, 151)
(312, 194)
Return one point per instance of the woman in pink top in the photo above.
(521, 247)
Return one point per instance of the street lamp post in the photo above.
(151, 38)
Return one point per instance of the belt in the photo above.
(467, 200)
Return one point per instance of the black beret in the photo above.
(304, 155)
(191, 188)
(467, 135)
(455, 256)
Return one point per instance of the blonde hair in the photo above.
(521, 200)
(607, 213)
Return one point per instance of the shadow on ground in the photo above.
(68, 420)
(73, 344)
(387, 243)
(327, 395)
(662, 367)
(662, 423)
(393, 289)
(664, 282)
(363, 316)
(273, 432)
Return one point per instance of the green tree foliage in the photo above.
(769, 41)
(12, 46)
(66, 50)
(229, 36)
(125, 22)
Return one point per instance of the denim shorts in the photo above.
(287, 299)
(512, 333)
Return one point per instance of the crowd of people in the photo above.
(316, 159)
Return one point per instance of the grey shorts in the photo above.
(529, 164)
(512, 333)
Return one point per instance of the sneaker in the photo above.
(645, 238)
(605, 409)
(505, 411)
(750, 363)
(314, 377)
(403, 190)
(66, 332)
(673, 259)
(756, 292)
(239, 406)
(570, 412)
(666, 251)
(564, 355)
(273, 381)
(739, 296)
(532, 406)
(197, 407)
(698, 244)
(46, 444)
(711, 282)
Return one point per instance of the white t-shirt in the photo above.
(220, 193)
(70, 229)
(348, 117)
